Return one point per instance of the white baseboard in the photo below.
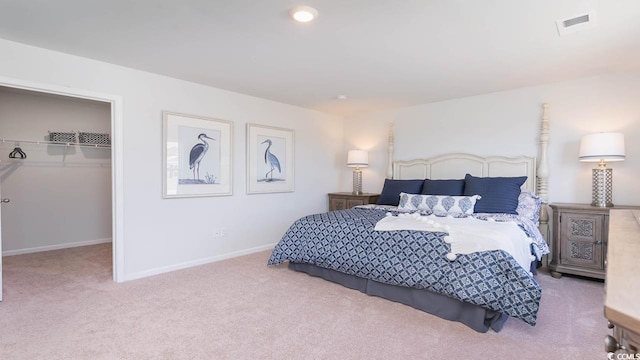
(188, 264)
(55, 247)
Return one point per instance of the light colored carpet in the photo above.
(63, 305)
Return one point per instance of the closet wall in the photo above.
(60, 196)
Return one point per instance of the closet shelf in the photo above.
(55, 143)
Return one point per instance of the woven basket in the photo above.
(67, 137)
(94, 138)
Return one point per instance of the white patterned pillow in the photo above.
(438, 203)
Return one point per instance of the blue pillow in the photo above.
(443, 187)
(392, 189)
(499, 194)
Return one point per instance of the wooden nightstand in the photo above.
(346, 200)
(579, 241)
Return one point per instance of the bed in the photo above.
(418, 266)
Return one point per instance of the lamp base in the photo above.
(357, 182)
(602, 187)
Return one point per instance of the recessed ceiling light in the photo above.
(341, 97)
(303, 13)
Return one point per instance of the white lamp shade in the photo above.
(602, 146)
(357, 158)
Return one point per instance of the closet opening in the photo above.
(57, 180)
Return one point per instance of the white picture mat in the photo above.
(178, 131)
(258, 169)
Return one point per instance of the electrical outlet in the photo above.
(223, 232)
(216, 233)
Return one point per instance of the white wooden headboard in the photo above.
(456, 166)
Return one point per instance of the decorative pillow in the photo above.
(438, 203)
(499, 194)
(443, 187)
(529, 206)
(392, 189)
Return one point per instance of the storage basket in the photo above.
(66, 137)
(94, 138)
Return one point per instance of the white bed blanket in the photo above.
(467, 235)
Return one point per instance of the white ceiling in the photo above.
(380, 53)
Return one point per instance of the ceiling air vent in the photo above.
(576, 23)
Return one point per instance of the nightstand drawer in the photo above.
(582, 240)
(337, 204)
(342, 201)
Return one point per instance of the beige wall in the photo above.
(163, 235)
(507, 123)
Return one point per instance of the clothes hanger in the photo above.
(17, 152)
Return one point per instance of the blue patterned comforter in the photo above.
(346, 241)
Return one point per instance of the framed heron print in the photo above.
(269, 159)
(196, 156)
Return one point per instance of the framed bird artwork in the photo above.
(196, 156)
(269, 159)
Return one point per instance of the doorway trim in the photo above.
(117, 163)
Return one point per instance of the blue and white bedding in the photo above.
(346, 241)
(539, 246)
(467, 235)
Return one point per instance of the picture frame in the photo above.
(197, 156)
(270, 159)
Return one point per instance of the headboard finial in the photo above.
(543, 172)
(543, 164)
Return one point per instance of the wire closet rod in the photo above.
(56, 143)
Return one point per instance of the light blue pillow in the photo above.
(438, 203)
(529, 206)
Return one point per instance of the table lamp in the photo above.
(357, 159)
(599, 148)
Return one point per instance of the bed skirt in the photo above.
(474, 316)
